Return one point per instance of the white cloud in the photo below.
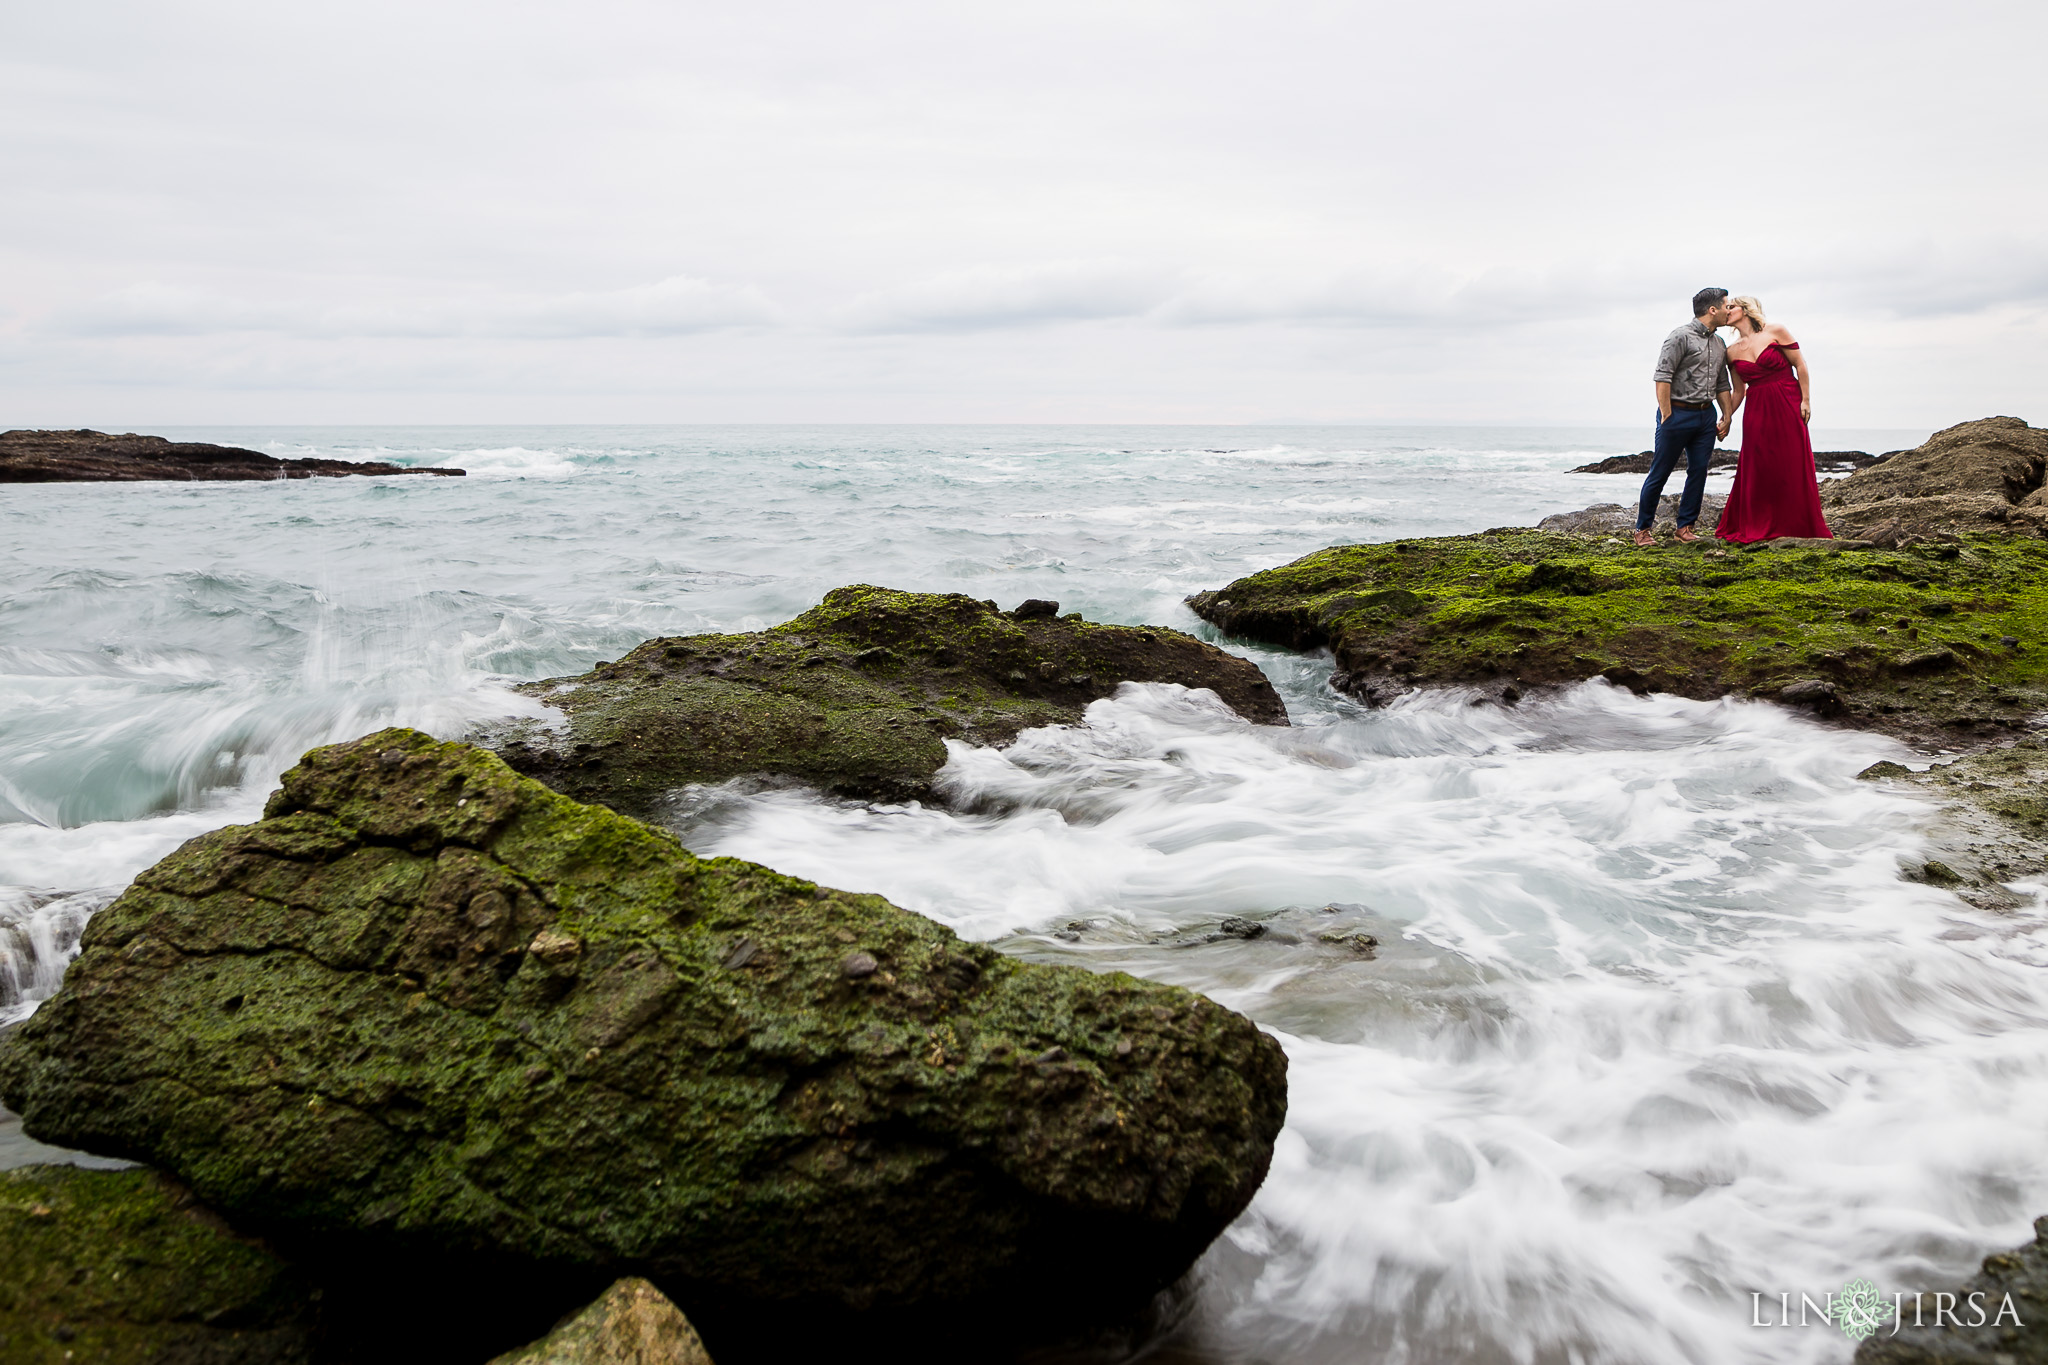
(677, 306)
(987, 297)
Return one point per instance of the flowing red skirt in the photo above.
(1776, 492)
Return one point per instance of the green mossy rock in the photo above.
(124, 1268)
(857, 695)
(2021, 1273)
(1944, 641)
(1993, 828)
(430, 1009)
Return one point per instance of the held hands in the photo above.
(1721, 430)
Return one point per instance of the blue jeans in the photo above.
(1692, 435)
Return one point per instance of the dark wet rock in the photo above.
(1935, 873)
(432, 1021)
(857, 695)
(1517, 608)
(1619, 519)
(632, 1323)
(1234, 927)
(95, 457)
(1365, 945)
(1824, 461)
(1815, 692)
(125, 1267)
(2012, 1285)
(1976, 477)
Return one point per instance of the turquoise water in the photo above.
(1654, 1025)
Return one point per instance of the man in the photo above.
(1692, 377)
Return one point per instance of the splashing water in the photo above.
(1652, 1023)
(1649, 1022)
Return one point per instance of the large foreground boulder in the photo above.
(1982, 476)
(124, 1268)
(434, 1021)
(857, 695)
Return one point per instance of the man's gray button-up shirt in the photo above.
(1694, 362)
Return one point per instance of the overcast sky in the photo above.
(815, 210)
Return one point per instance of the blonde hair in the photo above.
(1751, 309)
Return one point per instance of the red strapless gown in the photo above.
(1776, 493)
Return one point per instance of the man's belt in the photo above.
(1690, 407)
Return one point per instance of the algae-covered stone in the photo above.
(857, 695)
(430, 1007)
(1993, 828)
(1944, 641)
(123, 1267)
(2000, 1317)
(632, 1323)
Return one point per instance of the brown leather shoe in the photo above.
(1685, 534)
(1645, 538)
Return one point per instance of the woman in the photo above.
(1776, 493)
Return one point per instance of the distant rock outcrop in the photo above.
(1825, 461)
(95, 457)
(1977, 476)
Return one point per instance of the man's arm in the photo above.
(1730, 398)
(1663, 400)
(1668, 357)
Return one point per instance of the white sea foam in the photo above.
(1655, 1023)
(512, 462)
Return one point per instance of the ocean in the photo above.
(1655, 1033)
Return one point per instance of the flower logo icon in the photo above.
(1859, 1309)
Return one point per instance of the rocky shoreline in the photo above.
(449, 1057)
(95, 457)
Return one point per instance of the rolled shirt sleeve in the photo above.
(1669, 357)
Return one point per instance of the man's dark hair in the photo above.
(1707, 298)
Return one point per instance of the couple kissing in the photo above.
(1761, 372)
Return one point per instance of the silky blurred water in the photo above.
(1653, 1024)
